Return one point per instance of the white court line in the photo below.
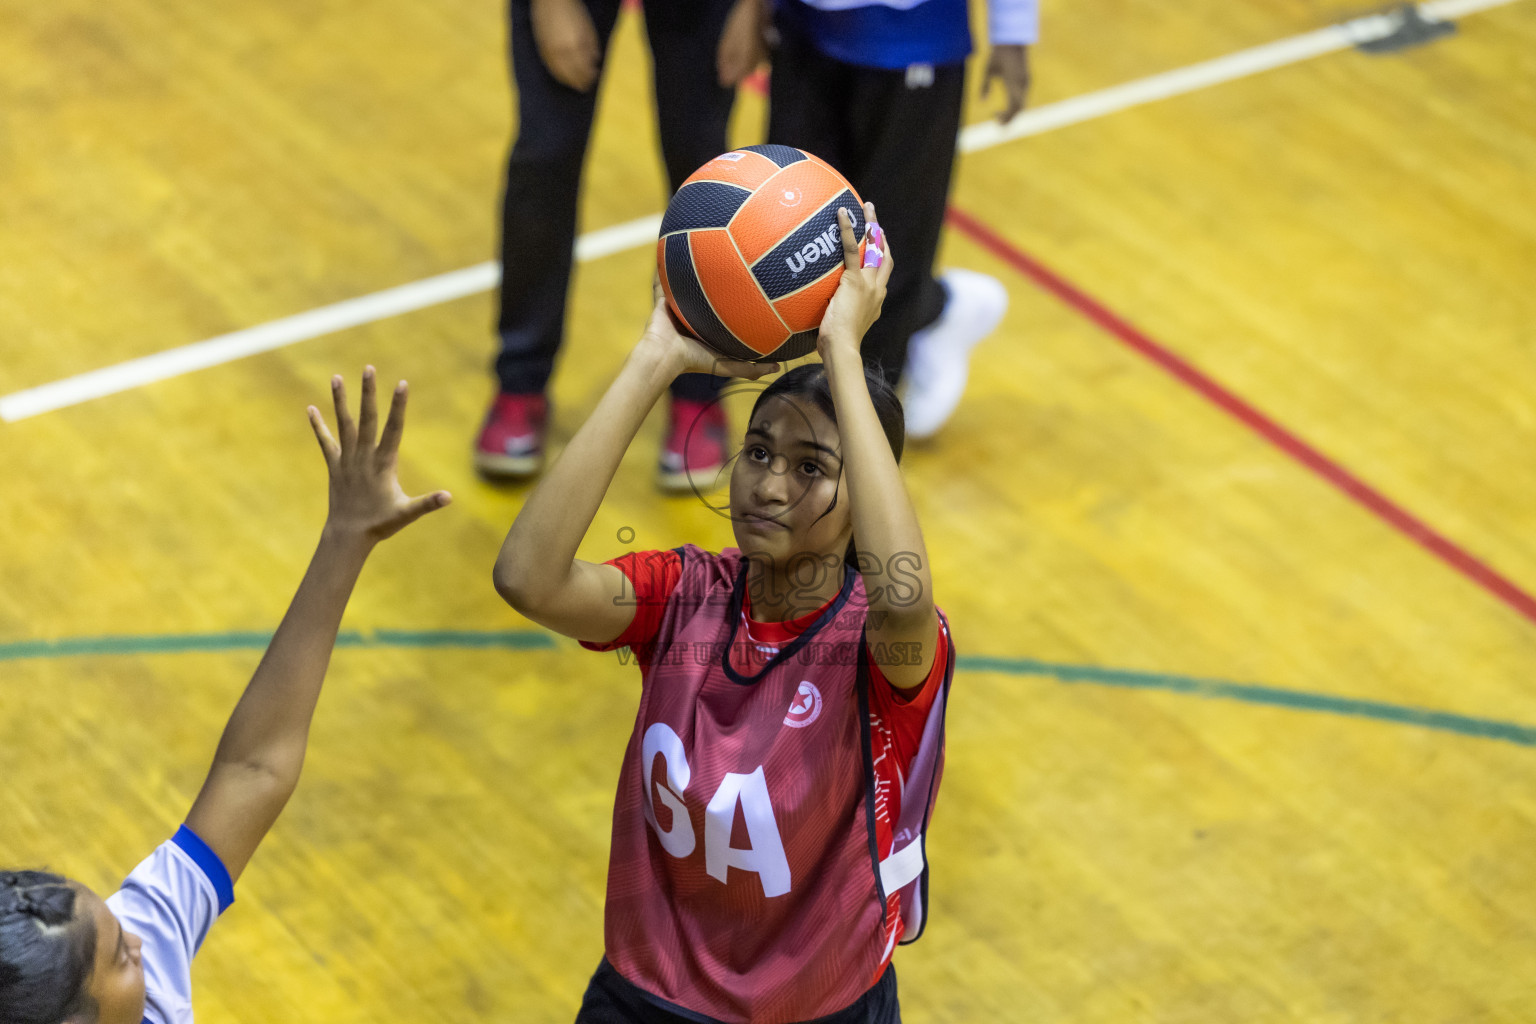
(636, 233)
(1212, 72)
(365, 309)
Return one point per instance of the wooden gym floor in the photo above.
(1235, 525)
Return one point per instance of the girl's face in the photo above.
(788, 497)
(117, 980)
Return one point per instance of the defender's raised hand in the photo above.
(261, 754)
(366, 499)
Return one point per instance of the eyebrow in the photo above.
(766, 434)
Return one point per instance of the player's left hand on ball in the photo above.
(366, 500)
(856, 303)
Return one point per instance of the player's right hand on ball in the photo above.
(567, 42)
(684, 354)
(366, 502)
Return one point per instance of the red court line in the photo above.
(1185, 372)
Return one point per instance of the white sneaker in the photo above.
(939, 355)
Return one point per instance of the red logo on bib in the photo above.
(805, 708)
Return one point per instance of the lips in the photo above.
(761, 521)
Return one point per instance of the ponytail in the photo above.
(46, 954)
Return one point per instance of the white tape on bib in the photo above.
(900, 868)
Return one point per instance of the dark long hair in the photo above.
(810, 382)
(46, 954)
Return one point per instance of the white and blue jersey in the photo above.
(170, 901)
(896, 34)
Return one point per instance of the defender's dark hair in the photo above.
(810, 382)
(46, 955)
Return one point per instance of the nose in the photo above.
(135, 944)
(770, 485)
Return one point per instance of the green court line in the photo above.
(1295, 700)
(186, 643)
(514, 639)
(76, 646)
(538, 640)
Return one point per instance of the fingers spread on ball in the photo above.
(850, 243)
(879, 245)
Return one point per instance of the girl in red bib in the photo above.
(768, 834)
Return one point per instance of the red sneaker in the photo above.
(694, 451)
(511, 444)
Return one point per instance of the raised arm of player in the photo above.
(893, 558)
(537, 571)
(261, 753)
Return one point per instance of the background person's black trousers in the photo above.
(538, 224)
(892, 134)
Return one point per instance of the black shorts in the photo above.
(611, 999)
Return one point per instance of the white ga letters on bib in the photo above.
(765, 856)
